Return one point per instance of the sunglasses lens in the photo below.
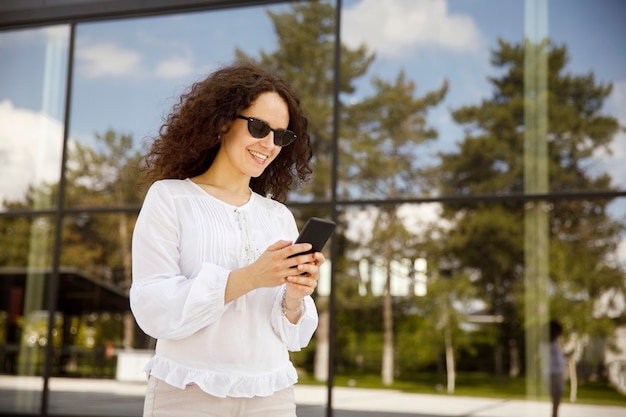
(258, 128)
(284, 137)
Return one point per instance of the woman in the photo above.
(213, 280)
(557, 366)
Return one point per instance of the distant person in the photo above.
(213, 280)
(556, 366)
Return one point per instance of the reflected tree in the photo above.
(379, 134)
(583, 236)
(103, 175)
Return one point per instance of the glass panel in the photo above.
(130, 73)
(599, 77)
(312, 362)
(102, 351)
(33, 64)
(455, 315)
(25, 279)
(440, 109)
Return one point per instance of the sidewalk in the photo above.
(90, 397)
(372, 402)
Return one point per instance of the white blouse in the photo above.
(185, 244)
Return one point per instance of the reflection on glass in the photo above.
(33, 64)
(127, 74)
(449, 279)
(430, 296)
(312, 364)
(99, 340)
(467, 139)
(104, 173)
(25, 273)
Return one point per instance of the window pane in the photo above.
(441, 109)
(101, 351)
(446, 297)
(33, 64)
(129, 74)
(25, 279)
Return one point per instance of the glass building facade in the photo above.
(472, 154)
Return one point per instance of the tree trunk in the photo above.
(573, 378)
(450, 365)
(129, 322)
(514, 367)
(387, 363)
(322, 347)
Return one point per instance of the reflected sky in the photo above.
(129, 72)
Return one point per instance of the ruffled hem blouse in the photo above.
(185, 244)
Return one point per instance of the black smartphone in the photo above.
(315, 231)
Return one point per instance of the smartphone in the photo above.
(315, 231)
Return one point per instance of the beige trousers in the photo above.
(164, 400)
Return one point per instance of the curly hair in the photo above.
(189, 139)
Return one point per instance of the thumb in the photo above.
(279, 245)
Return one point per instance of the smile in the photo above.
(258, 156)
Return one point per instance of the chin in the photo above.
(257, 174)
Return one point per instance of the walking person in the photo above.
(556, 366)
(213, 277)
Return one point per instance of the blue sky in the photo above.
(129, 72)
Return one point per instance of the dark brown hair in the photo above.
(190, 136)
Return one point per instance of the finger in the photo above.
(306, 259)
(298, 248)
(303, 280)
(297, 290)
(281, 244)
(310, 268)
(319, 258)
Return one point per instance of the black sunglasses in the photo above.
(260, 129)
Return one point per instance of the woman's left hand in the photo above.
(299, 286)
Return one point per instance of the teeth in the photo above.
(258, 155)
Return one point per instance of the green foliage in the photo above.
(486, 237)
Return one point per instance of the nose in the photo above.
(268, 141)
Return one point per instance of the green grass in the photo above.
(477, 385)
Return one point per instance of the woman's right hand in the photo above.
(271, 269)
(275, 264)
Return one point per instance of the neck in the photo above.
(232, 192)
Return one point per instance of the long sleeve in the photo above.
(295, 336)
(166, 303)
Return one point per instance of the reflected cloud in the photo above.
(174, 68)
(107, 59)
(417, 218)
(617, 102)
(389, 27)
(30, 149)
(58, 33)
(613, 160)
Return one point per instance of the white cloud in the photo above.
(389, 27)
(108, 59)
(47, 34)
(417, 218)
(613, 160)
(180, 62)
(174, 68)
(30, 150)
(102, 59)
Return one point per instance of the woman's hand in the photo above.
(279, 264)
(305, 281)
(300, 285)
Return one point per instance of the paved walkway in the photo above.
(382, 403)
(85, 397)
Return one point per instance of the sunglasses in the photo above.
(259, 129)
